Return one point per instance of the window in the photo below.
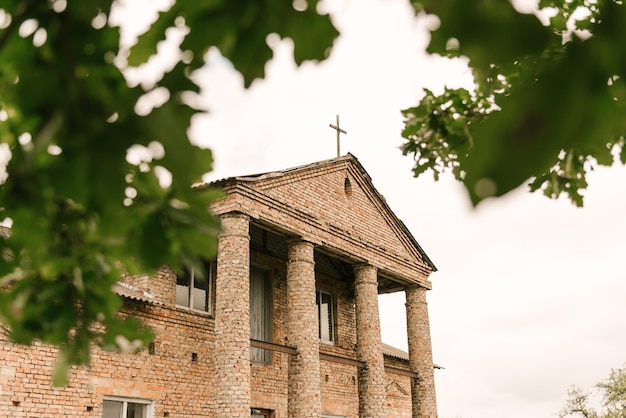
(261, 413)
(114, 407)
(193, 288)
(325, 318)
(260, 313)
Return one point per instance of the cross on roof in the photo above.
(339, 132)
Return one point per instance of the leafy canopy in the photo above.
(82, 214)
(548, 104)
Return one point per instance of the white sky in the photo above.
(528, 299)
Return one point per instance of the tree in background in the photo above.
(549, 101)
(99, 172)
(613, 393)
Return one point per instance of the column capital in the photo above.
(365, 273)
(235, 224)
(300, 250)
(415, 294)
(235, 214)
(363, 265)
(296, 240)
(414, 286)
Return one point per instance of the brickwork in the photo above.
(372, 402)
(420, 353)
(176, 382)
(168, 373)
(321, 227)
(342, 291)
(268, 382)
(339, 389)
(398, 389)
(232, 319)
(304, 378)
(315, 204)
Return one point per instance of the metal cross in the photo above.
(339, 132)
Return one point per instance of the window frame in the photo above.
(209, 266)
(125, 401)
(331, 320)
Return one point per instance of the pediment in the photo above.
(334, 204)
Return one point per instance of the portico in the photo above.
(327, 212)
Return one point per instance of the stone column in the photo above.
(372, 380)
(232, 319)
(304, 396)
(424, 403)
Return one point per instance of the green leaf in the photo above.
(61, 368)
(490, 32)
(147, 42)
(313, 35)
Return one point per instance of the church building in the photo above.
(284, 323)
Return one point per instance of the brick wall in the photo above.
(333, 204)
(334, 208)
(173, 373)
(177, 372)
(398, 389)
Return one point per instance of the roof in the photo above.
(131, 292)
(392, 351)
(296, 200)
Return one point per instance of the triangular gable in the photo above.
(334, 204)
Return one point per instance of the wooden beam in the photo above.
(273, 347)
(329, 357)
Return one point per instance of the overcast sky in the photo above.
(529, 296)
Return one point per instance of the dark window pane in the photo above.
(182, 288)
(259, 313)
(325, 316)
(112, 409)
(200, 290)
(192, 288)
(136, 410)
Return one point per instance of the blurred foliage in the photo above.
(612, 391)
(548, 104)
(82, 214)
